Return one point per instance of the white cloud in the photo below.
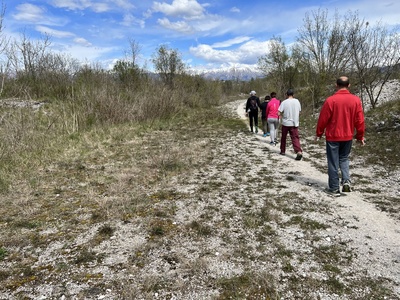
(29, 13)
(100, 7)
(235, 10)
(234, 41)
(248, 53)
(125, 4)
(83, 42)
(130, 20)
(188, 9)
(96, 6)
(180, 26)
(71, 4)
(53, 32)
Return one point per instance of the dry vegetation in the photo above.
(191, 207)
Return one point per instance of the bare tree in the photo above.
(127, 70)
(275, 64)
(26, 55)
(4, 63)
(134, 51)
(325, 48)
(375, 53)
(168, 64)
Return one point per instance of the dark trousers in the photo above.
(253, 118)
(294, 135)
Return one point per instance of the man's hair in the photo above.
(267, 98)
(290, 92)
(273, 95)
(343, 81)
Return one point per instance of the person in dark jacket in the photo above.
(252, 106)
(263, 108)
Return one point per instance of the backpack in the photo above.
(253, 104)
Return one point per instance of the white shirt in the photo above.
(290, 111)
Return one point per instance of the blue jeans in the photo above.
(337, 154)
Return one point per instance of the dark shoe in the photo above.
(282, 153)
(333, 193)
(346, 187)
(299, 156)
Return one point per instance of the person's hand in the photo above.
(361, 142)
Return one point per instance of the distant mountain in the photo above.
(241, 74)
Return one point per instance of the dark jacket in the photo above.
(248, 104)
(263, 107)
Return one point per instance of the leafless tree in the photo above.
(4, 63)
(325, 48)
(134, 51)
(276, 64)
(375, 52)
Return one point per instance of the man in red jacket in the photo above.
(340, 115)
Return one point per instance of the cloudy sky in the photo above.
(207, 33)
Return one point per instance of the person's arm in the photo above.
(267, 109)
(323, 119)
(360, 125)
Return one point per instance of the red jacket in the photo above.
(341, 113)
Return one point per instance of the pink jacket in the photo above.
(272, 108)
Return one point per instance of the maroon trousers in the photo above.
(294, 135)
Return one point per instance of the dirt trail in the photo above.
(373, 235)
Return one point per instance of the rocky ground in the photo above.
(251, 224)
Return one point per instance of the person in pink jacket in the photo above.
(340, 115)
(273, 117)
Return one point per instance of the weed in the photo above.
(3, 253)
(200, 229)
(305, 223)
(247, 286)
(85, 256)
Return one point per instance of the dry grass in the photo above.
(60, 226)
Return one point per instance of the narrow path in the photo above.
(373, 235)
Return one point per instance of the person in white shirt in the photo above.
(289, 110)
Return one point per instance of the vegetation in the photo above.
(94, 153)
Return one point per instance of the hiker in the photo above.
(341, 115)
(263, 108)
(252, 105)
(289, 110)
(273, 117)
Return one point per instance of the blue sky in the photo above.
(209, 34)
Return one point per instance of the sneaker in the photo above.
(299, 156)
(346, 187)
(267, 133)
(333, 193)
(272, 143)
(264, 135)
(256, 130)
(282, 153)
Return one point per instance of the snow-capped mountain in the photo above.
(232, 73)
